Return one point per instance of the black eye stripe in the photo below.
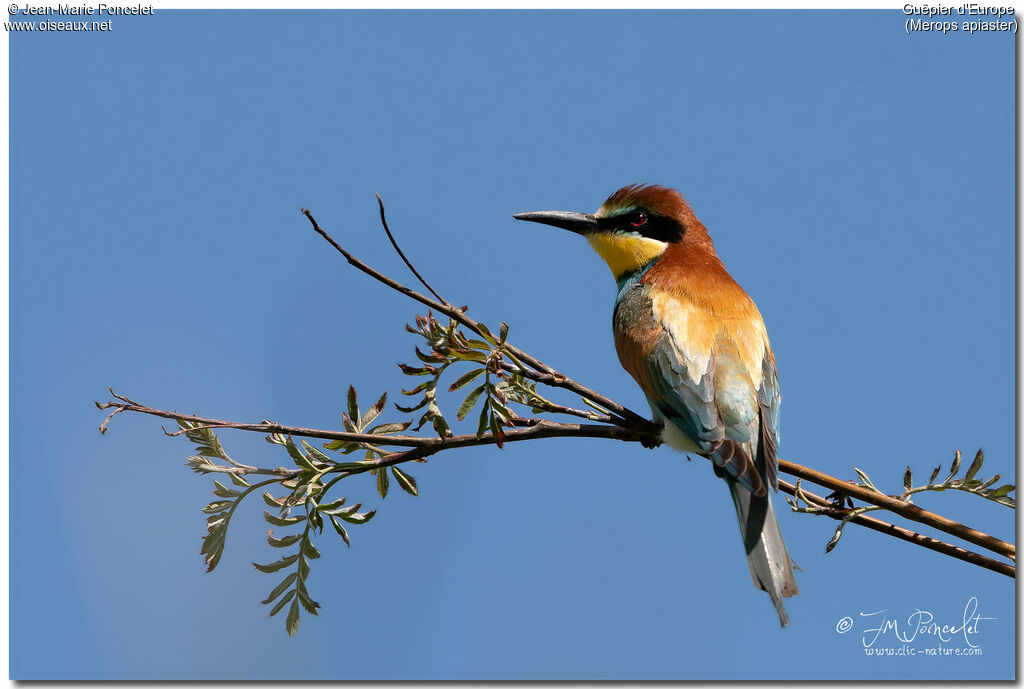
(656, 227)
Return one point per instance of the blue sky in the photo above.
(858, 182)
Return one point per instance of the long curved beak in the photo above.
(580, 223)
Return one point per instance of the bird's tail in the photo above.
(771, 568)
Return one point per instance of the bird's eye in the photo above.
(638, 219)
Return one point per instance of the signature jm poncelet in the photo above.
(919, 625)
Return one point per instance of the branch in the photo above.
(901, 507)
(425, 446)
(387, 230)
(539, 428)
(553, 377)
(829, 509)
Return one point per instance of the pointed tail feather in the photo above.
(771, 568)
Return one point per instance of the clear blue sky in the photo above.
(858, 182)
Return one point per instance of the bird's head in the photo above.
(633, 227)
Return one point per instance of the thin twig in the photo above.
(103, 426)
(905, 509)
(557, 379)
(384, 222)
(182, 431)
(831, 510)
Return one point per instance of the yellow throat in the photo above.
(625, 253)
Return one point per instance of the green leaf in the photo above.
(426, 387)
(282, 542)
(485, 418)
(201, 465)
(295, 453)
(466, 378)
(374, 411)
(975, 465)
(407, 482)
(470, 355)
(315, 520)
(332, 505)
(341, 531)
(409, 410)
(416, 371)
(934, 474)
(275, 566)
(310, 550)
(501, 411)
(308, 603)
(283, 602)
(385, 428)
(1003, 490)
(344, 510)
(271, 500)
(213, 542)
(316, 453)
(992, 480)
(353, 405)
(441, 426)
(865, 479)
(223, 491)
(499, 435)
(218, 506)
(503, 332)
(485, 333)
(238, 480)
(292, 623)
(431, 358)
(382, 482)
(281, 521)
(358, 518)
(205, 439)
(955, 467)
(470, 401)
(280, 588)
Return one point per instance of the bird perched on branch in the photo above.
(697, 346)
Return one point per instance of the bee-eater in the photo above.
(697, 346)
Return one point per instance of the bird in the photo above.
(696, 344)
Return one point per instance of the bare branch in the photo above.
(384, 222)
(103, 426)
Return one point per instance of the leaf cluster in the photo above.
(305, 506)
(292, 589)
(503, 380)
